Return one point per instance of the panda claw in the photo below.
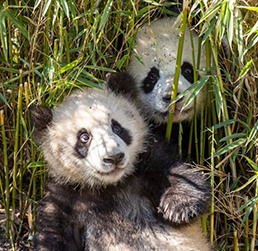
(178, 212)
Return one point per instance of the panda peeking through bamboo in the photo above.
(152, 67)
(100, 194)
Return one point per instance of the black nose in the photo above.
(167, 98)
(114, 159)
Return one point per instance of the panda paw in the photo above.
(180, 208)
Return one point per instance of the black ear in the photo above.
(122, 83)
(41, 117)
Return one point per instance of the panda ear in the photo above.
(122, 83)
(41, 117)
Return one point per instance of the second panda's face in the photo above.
(94, 139)
(156, 46)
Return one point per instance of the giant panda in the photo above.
(99, 195)
(153, 67)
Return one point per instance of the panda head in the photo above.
(153, 67)
(92, 138)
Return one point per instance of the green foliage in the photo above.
(48, 48)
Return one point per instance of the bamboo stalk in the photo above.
(212, 229)
(177, 72)
(6, 194)
(255, 216)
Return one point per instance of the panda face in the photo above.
(156, 46)
(93, 139)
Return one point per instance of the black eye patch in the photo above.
(82, 143)
(123, 133)
(152, 78)
(187, 71)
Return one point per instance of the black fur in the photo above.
(151, 79)
(123, 133)
(114, 83)
(41, 118)
(81, 147)
(187, 71)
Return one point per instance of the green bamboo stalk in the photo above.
(46, 42)
(177, 72)
(66, 44)
(180, 139)
(6, 197)
(204, 121)
(246, 228)
(225, 115)
(235, 248)
(15, 150)
(189, 150)
(255, 215)
(61, 37)
(10, 41)
(20, 171)
(212, 210)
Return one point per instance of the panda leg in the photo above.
(187, 196)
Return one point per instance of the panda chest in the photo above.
(127, 221)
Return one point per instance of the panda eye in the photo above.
(187, 71)
(120, 131)
(84, 137)
(116, 128)
(151, 79)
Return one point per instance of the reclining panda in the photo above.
(100, 195)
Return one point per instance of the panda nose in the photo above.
(114, 159)
(167, 98)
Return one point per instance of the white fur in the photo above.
(93, 110)
(157, 45)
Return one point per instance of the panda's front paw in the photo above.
(180, 208)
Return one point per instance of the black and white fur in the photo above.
(153, 66)
(98, 197)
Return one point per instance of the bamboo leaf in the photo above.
(218, 97)
(105, 15)
(12, 70)
(37, 3)
(253, 132)
(70, 65)
(247, 204)
(248, 212)
(250, 205)
(45, 8)
(3, 35)
(211, 12)
(251, 163)
(222, 124)
(248, 8)
(252, 179)
(196, 90)
(65, 8)
(245, 69)
(233, 136)
(230, 26)
(230, 147)
(2, 97)
(99, 68)
(15, 20)
(253, 42)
